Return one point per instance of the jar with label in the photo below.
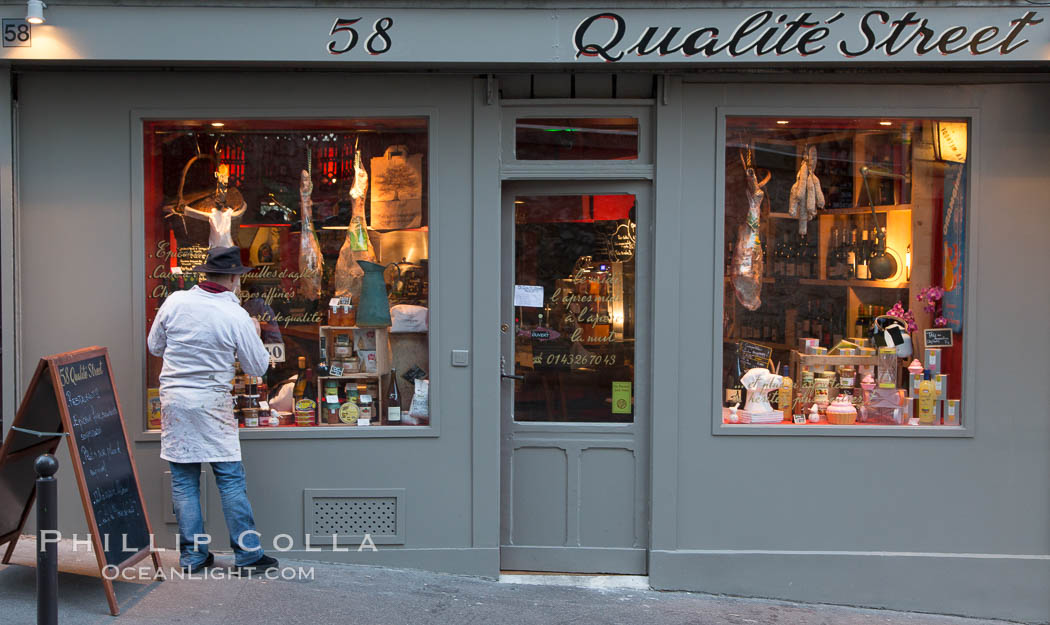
(250, 411)
(847, 377)
(821, 387)
(365, 416)
(806, 379)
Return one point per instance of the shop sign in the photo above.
(770, 34)
(529, 36)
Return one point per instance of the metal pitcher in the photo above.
(373, 309)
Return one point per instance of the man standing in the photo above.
(200, 333)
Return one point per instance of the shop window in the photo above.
(845, 249)
(574, 338)
(575, 139)
(332, 214)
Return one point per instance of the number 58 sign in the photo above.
(17, 34)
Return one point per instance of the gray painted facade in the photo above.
(956, 522)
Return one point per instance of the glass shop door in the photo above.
(575, 346)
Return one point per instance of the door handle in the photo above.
(503, 371)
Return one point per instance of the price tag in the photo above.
(17, 34)
(276, 351)
(336, 371)
(332, 399)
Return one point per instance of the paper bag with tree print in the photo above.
(397, 189)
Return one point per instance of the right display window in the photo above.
(845, 244)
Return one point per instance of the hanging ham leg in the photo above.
(356, 246)
(311, 263)
(748, 262)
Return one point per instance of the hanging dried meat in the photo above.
(349, 277)
(747, 268)
(311, 263)
(806, 196)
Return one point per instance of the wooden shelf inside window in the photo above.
(877, 284)
(856, 210)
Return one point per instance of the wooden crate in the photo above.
(812, 360)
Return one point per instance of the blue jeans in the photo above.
(186, 498)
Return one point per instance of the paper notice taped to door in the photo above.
(528, 296)
(621, 397)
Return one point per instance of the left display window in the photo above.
(332, 216)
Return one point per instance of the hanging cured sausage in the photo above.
(806, 196)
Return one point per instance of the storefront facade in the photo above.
(577, 211)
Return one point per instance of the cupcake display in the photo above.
(841, 411)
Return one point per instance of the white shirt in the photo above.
(221, 221)
(200, 334)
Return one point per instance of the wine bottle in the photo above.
(851, 253)
(301, 381)
(864, 253)
(322, 364)
(840, 255)
(830, 268)
(802, 258)
(789, 257)
(814, 259)
(393, 401)
(778, 256)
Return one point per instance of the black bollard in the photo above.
(46, 555)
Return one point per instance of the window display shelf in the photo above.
(877, 284)
(857, 210)
(350, 376)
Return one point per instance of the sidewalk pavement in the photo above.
(365, 595)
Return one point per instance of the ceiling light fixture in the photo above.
(783, 122)
(885, 123)
(35, 11)
(217, 124)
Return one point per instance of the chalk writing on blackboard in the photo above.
(71, 397)
(938, 337)
(752, 355)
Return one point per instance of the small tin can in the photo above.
(932, 359)
(940, 385)
(951, 412)
(914, 379)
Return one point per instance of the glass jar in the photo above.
(821, 388)
(887, 367)
(847, 377)
(364, 417)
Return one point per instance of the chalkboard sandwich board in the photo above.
(72, 396)
(938, 337)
